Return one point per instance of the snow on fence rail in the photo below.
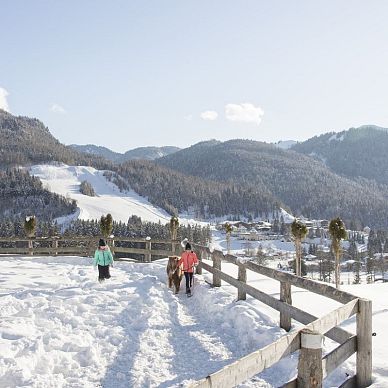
(85, 246)
(312, 367)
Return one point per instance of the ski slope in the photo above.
(66, 180)
(60, 328)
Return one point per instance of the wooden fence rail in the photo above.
(85, 246)
(252, 364)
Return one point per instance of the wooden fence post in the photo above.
(364, 343)
(55, 245)
(216, 255)
(147, 255)
(30, 248)
(200, 258)
(242, 277)
(310, 372)
(112, 247)
(285, 296)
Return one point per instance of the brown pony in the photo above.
(174, 273)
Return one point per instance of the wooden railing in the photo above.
(310, 358)
(312, 367)
(142, 249)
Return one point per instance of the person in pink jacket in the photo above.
(189, 260)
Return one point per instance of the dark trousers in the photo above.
(189, 280)
(103, 272)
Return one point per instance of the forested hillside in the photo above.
(176, 192)
(22, 195)
(307, 186)
(26, 141)
(237, 178)
(358, 152)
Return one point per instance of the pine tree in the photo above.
(228, 230)
(106, 225)
(30, 226)
(338, 232)
(299, 231)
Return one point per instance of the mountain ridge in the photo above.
(145, 153)
(356, 152)
(234, 177)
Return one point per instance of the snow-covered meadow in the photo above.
(66, 180)
(61, 328)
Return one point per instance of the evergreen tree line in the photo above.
(176, 192)
(136, 228)
(357, 152)
(22, 195)
(305, 185)
(15, 228)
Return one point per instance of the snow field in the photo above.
(65, 180)
(61, 328)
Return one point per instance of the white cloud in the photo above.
(188, 117)
(3, 99)
(209, 115)
(247, 113)
(56, 108)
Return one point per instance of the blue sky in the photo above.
(133, 73)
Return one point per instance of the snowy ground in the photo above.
(60, 328)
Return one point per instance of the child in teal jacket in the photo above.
(103, 258)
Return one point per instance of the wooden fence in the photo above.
(312, 367)
(145, 249)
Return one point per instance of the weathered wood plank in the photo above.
(84, 238)
(242, 277)
(147, 253)
(79, 250)
(337, 334)
(217, 268)
(285, 296)
(252, 364)
(310, 285)
(22, 251)
(307, 284)
(364, 344)
(351, 382)
(156, 252)
(336, 357)
(310, 372)
(231, 259)
(255, 362)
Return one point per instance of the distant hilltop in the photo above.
(145, 153)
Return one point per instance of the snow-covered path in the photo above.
(60, 328)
